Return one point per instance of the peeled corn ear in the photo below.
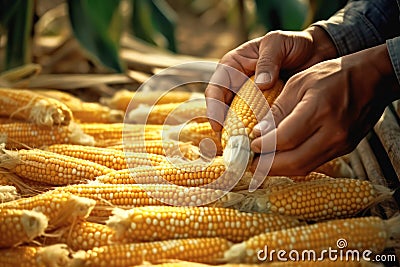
(60, 208)
(57, 255)
(362, 233)
(19, 226)
(248, 107)
(24, 134)
(29, 106)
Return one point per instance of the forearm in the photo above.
(362, 24)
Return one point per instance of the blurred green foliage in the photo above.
(97, 25)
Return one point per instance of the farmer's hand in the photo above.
(265, 57)
(324, 111)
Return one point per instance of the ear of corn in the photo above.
(128, 196)
(22, 135)
(337, 168)
(212, 174)
(8, 193)
(110, 134)
(57, 255)
(60, 208)
(51, 168)
(111, 158)
(83, 235)
(29, 106)
(169, 148)
(126, 100)
(170, 114)
(19, 226)
(204, 250)
(85, 111)
(362, 233)
(200, 134)
(248, 107)
(318, 199)
(163, 223)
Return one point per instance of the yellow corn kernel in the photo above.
(22, 135)
(51, 168)
(19, 226)
(203, 250)
(361, 233)
(162, 223)
(29, 106)
(59, 207)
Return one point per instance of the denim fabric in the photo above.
(394, 53)
(366, 23)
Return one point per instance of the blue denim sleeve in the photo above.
(393, 46)
(363, 24)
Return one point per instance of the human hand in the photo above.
(264, 57)
(324, 111)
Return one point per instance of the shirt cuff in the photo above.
(393, 46)
(350, 31)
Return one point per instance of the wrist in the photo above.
(325, 49)
(380, 59)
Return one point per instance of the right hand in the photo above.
(265, 57)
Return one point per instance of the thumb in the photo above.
(269, 63)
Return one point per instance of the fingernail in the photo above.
(263, 77)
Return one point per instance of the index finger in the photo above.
(222, 87)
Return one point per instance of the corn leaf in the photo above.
(154, 22)
(97, 26)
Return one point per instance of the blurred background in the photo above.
(136, 38)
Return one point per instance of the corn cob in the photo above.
(51, 168)
(204, 250)
(318, 199)
(129, 196)
(169, 148)
(170, 114)
(83, 236)
(197, 133)
(21, 135)
(59, 207)
(337, 168)
(361, 233)
(248, 107)
(277, 182)
(108, 134)
(29, 256)
(29, 106)
(196, 173)
(162, 223)
(111, 158)
(85, 111)
(8, 193)
(19, 226)
(126, 100)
